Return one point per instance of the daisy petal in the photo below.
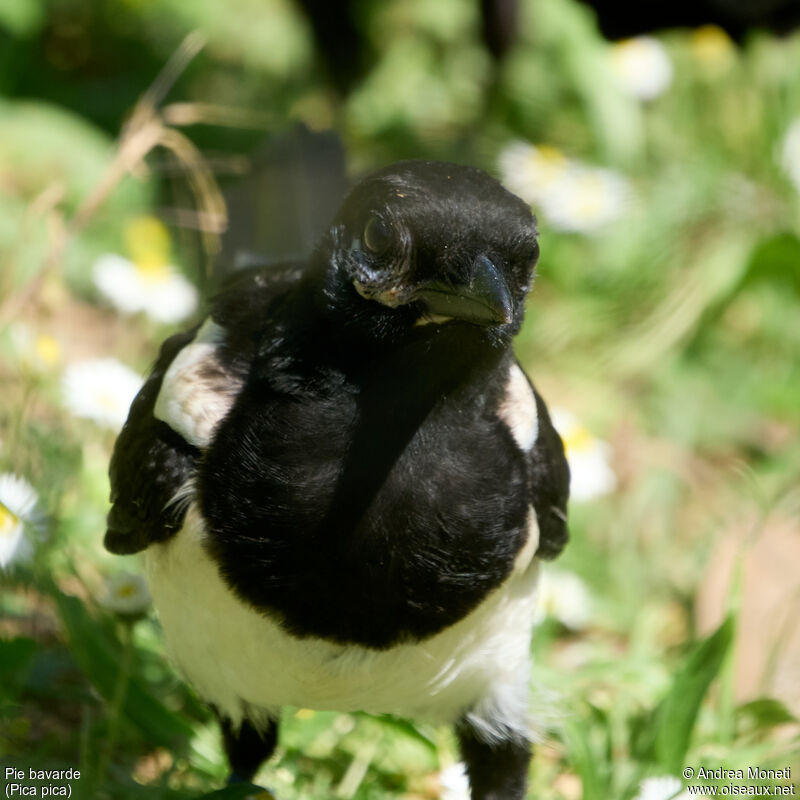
(101, 390)
(18, 508)
(126, 594)
(642, 67)
(565, 597)
(662, 788)
(589, 458)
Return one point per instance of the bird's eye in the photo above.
(533, 258)
(377, 236)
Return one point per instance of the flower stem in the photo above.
(116, 704)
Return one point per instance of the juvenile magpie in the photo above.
(344, 481)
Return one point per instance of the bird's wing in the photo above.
(150, 463)
(525, 413)
(194, 383)
(549, 484)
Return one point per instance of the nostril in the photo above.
(481, 266)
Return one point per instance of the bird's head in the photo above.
(424, 243)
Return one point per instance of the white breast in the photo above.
(235, 655)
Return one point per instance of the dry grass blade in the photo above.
(170, 73)
(136, 143)
(45, 204)
(204, 187)
(194, 220)
(357, 770)
(218, 163)
(144, 131)
(214, 114)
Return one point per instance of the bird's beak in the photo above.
(485, 300)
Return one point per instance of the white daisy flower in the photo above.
(570, 195)
(531, 172)
(590, 470)
(642, 67)
(126, 594)
(565, 597)
(147, 282)
(160, 292)
(39, 351)
(100, 389)
(454, 782)
(18, 507)
(790, 153)
(586, 199)
(666, 787)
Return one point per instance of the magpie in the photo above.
(344, 482)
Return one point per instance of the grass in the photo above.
(671, 333)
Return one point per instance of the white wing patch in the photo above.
(528, 551)
(518, 409)
(197, 390)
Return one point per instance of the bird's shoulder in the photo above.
(190, 389)
(150, 462)
(244, 302)
(525, 412)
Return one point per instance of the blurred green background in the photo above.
(664, 327)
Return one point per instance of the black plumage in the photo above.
(375, 459)
(150, 462)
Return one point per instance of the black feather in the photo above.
(149, 464)
(549, 476)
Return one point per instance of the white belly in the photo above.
(243, 662)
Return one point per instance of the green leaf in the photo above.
(777, 260)
(16, 659)
(22, 18)
(96, 651)
(642, 735)
(412, 730)
(589, 745)
(16, 656)
(765, 712)
(677, 713)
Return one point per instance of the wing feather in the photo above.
(194, 383)
(149, 465)
(549, 484)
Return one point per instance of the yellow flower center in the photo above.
(8, 521)
(712, 47)
(549, 164)
(152, 272)
(147, 240)
(48, 349)
(551, 154)
(626, 52)
(578, 439)
(126, 590)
